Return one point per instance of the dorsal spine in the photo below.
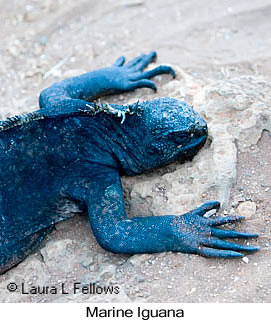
(90, 109)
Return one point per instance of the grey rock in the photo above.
(58, 257)
(235, 109)
(247, 209)
(137, 260)
(30, 272)
(106, 271)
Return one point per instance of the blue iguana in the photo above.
(75, 149)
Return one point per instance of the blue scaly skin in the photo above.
(74, 149)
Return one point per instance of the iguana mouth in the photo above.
(191, 148)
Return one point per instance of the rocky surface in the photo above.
(221, 52)
(235, 109)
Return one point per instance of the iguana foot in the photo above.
(134, 70)
(198, 234)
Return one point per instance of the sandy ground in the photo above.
(45, 41)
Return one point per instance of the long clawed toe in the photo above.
(162, 69)
(232, 234)
(142, 61)
(143, 83)
(213, 246)
(221, 244)
(217, 253)
(206, 207)
(223, 234)
(216, 221)
(120, 61)
(138, 78)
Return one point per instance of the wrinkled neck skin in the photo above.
(162, 131)
(166, 130)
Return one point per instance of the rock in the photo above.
(235, 110)
(245, 260)
(106, 271)
(31, 271)
(87, 262)
(139, 279)
(87, 258)
(237, 199)
(57, 256)
(137, 260)
(247, 209)
(88, 279)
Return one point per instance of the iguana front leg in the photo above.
(72, 93)
(188, 233)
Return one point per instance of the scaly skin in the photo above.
(75, 150)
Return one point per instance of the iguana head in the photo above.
(174, 131)
(154, 133)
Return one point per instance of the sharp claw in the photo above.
(143, 62)
(224, 220)
(210, 252)
(172, 72)
(208, 206)
(232, 234)
(254, 249)
(144, 83)
(162, 69)
(120, 61)
(134, 61)
(153, 55)
(221, 244)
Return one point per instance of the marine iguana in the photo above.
(74, 149)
